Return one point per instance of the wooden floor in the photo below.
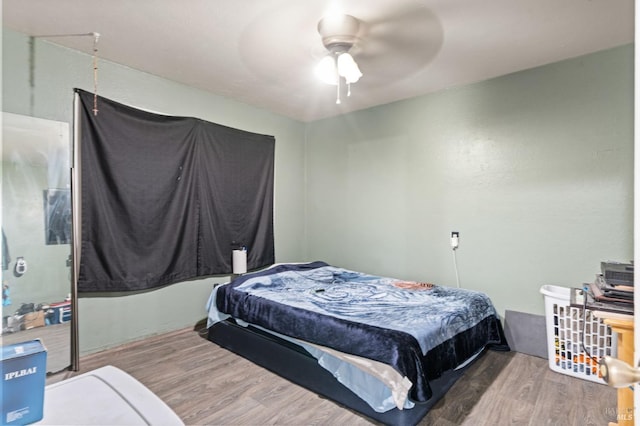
(55, 338)
(207, 385)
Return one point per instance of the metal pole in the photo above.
(75, 232)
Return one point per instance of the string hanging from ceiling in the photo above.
(96, 37)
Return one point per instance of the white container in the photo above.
(569, 351)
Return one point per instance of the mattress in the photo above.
(465, 321)
(106, 396)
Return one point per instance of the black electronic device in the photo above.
(581, 298)
(617, 273)
(624, 292)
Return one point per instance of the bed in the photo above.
(386, 348)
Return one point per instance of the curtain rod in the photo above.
(93, 34)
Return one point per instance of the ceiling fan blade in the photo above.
(396, 40)
(400, 44)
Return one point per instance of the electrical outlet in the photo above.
(455, 239)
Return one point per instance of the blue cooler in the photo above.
(23, 367)
(60, 312)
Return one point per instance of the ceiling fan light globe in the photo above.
(326, 70)
(348, 68)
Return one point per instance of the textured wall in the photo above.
(534, 169)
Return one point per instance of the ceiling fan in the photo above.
(387, 45)
(390, 41)
(339, 33)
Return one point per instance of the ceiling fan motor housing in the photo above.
(339, 32)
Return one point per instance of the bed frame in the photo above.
(295, 364)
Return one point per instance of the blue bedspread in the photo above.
(422, 332)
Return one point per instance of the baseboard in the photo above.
(526, 333)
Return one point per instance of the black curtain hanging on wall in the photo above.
(165, 199)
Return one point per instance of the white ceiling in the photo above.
(263, 52)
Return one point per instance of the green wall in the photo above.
(109, 321)
(534, 169)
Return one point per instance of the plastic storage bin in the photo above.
(565, 328)
(60, 312)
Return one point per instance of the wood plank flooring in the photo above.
(56, 338)
(207, 385)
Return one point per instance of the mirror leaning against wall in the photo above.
(36, 235)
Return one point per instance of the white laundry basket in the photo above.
(565, 343)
